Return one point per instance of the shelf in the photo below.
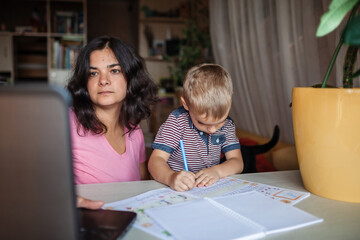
(69, 36)
(160, 59)
(29, 34)
(31, 58)
(159, 36)
(60, 1)
(155, 59)
(162, 20)
(32, 73)
(33, 45)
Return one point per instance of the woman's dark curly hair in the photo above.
(140, 93)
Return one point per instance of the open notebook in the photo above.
(36, 179)
(247, 215)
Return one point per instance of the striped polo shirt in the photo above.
(202, 150)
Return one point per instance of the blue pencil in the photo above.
(183, 155)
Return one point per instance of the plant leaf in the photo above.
(333, 17)
(352, 32)
(356, 74)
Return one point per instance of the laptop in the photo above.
(38, 198)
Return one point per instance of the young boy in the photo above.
(203, 125)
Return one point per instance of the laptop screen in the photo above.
(36, 181)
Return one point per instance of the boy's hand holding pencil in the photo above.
(182, 181)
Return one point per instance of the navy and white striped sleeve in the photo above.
(232, 141)
(168, 136)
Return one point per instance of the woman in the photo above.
(112, 92)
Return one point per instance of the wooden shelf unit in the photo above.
(162, 28)
(43, 33)
(6, 59)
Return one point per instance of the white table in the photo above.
(341, 219)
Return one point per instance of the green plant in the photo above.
(191, 51)
(350, 36)
(195, 40)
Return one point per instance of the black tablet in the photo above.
(104, 224)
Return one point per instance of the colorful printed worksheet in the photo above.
(167, 196)
(231, 186)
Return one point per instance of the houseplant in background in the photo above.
(326, 120)
(194, 46)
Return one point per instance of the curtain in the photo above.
(269, 47)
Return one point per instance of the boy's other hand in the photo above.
(206, 177)
(182, 181)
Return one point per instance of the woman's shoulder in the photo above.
(75, 125)
(136, 134)
(137, 131)
(72, 117)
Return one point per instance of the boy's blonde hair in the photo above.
(208, 90)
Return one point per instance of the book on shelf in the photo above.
(69, 22)
(80, 22)
(65, 53)
(5, 79)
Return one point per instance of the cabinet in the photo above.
(45, 38)
(6, 59)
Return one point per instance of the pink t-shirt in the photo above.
(95, 161)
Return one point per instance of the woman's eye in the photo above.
(115, 71)
(93, 74)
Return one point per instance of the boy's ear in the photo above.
(184, 103)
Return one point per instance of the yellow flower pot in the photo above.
(327, 138)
